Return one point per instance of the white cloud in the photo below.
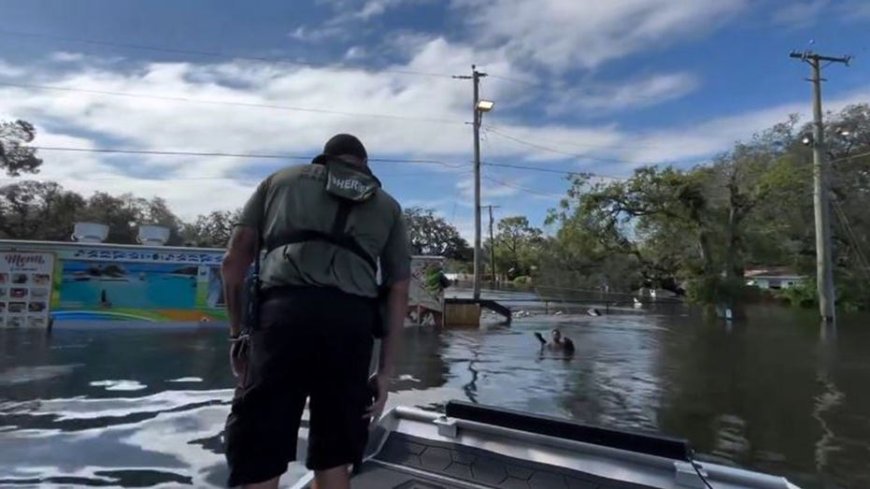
(800, 14)
(141, 122)
(66, 57)
(855, 10)
(564, 34)
(807, 13)
(700, 141)
(465, 225)
(354, 53)
(365, 10)
(491, 189)
(633, 94)
(374, 8)
(77, 119)
(318, 34)
(9, 70)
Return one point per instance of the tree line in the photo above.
(697, 231)
(36, 210)
(693, 231)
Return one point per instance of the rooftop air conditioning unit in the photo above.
(90, 232)
(153, 235)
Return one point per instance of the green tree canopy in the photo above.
(212, 230)
(517, 247)
(15, 156)
(750, 207)
(433, 235)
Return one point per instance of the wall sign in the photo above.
(146, 255)
(25, 289)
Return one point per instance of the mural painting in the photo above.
(97, 282)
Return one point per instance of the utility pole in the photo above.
(478, 112)
(824, 263)
(492, 244)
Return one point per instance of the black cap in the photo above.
(345, 144)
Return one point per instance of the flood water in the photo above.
(145, 408)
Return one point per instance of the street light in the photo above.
(485, 105)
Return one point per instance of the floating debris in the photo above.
(119, 385)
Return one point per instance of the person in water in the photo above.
(557, 341)
(324, 227)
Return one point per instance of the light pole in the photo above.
(824, 261)
(479, 107)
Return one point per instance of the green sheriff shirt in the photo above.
(305, 198)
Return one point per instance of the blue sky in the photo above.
(593, 86)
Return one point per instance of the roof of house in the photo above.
(772, 272)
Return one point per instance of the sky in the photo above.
(599, 87)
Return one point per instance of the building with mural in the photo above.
(87, 280)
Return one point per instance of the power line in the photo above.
(849, 157)
(549, 170)
(531, 83)
(499, 130)
(212, 54)
(613, 160)
(226, 102)
(852, 236)
(554, 150)
(177, 178)
(610, 177)
(521, 188)
(489, 129)
(219, 154)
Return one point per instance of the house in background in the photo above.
(773, 278)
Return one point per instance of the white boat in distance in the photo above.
(472, 447)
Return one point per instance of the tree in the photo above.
(15, 156)
(434, 236)
(517, 246)
(212, 230)
(751, 206)
(157, 212)
(38, 211)
(648, 216)
(125, 213)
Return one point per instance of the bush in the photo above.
(523, 280)
(799, 295)
(853, 292)
(716, 290)
(850, 296)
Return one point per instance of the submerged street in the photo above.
(141, 408)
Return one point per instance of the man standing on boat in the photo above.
(324, 228)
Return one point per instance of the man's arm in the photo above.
(397, 310)
(241, 251)
(239, 256)
(396, 270)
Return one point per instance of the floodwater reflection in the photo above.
(140, 408)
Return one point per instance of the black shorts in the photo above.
(312, 342)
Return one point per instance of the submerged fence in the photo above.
(567, 300)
